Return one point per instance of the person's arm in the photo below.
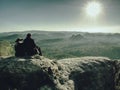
(34, 45)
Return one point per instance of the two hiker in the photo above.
(26, 47)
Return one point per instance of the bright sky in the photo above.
(59, 15)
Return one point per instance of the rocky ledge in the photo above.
(86, 73)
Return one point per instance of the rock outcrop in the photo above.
(117, 75)
(77, 37)
(87, 73)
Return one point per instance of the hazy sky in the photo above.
(68, 15)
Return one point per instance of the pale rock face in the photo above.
(40, 73)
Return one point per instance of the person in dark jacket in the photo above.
(19, 48)
(30, 46)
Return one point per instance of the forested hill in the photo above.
(58, 45)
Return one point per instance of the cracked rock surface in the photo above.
(40, 73)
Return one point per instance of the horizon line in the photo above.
(59, 31)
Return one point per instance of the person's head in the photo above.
(28, 35)
(19, 40)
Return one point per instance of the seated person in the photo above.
(19, 48)
(30, 47)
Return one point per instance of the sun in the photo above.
(93, 9)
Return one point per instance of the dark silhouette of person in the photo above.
(30, 47)
(19, 48)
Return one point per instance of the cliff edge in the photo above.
(86, 73)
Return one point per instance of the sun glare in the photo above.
(93, 9)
